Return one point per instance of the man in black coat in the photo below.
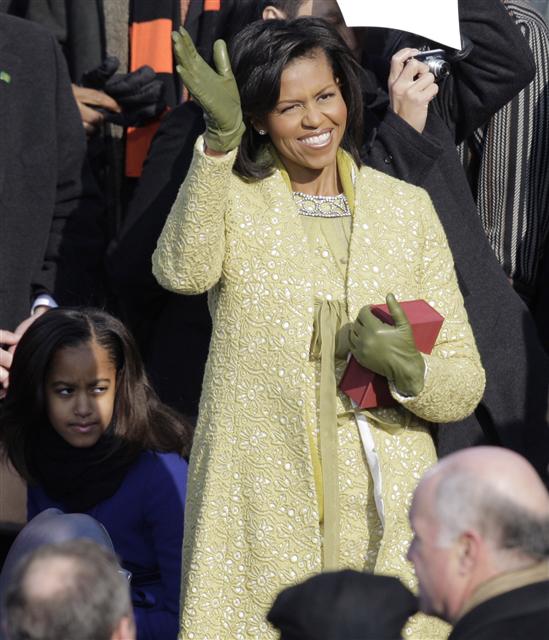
(480, 519)
(513, 410)
(51, 236)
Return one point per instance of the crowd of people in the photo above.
(209, 227)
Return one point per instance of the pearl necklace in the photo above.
(321, 206)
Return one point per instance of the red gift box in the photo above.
(369, 389)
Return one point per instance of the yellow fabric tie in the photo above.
(329, 316)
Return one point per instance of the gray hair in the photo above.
(88, 606)
(464, 501)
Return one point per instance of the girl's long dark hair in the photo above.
(260, 53)
(140, 420)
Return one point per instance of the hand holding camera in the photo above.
(412, 86)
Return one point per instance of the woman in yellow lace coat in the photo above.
(293, 239)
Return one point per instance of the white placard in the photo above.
(434, 19)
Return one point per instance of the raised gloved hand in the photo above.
(215, 91)
(389, 350)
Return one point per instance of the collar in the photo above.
(345, 165)
(505, 582)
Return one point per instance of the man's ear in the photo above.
(468, 552)
(272, 13)
(125, 630)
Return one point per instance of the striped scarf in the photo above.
(151, 26)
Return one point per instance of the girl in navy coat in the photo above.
(82, 426)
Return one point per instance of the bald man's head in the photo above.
(50, 577)
(477, 513)
(498, 493)
(72, 590)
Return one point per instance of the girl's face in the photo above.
(80, 391)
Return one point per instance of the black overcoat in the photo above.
(515, 615)
(513, 411)
(51, 236)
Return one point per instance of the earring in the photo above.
(262, 132)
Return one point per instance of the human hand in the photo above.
(342, 341)
(214, 90)
(389, 350)
(411, 88)
(139, 94)
(8, 340)
(89, 101)
(23, 326)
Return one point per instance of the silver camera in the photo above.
(437, 61)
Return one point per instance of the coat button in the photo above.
(388, 159)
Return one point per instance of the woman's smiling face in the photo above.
(308, 122)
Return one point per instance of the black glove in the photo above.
(139, 93)
(98, 77)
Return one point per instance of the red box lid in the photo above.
(370, 390)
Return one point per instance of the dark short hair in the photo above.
(259, 55)
(289, 7)
(343, 604)
(512, 527)
(88, 606)
(140, 420)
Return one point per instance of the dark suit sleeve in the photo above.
(129, 256)
(401, 151)
(73, 264)
(499, 66)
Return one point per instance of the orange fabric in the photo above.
(151, 43)
(212, 5)
(138, 141)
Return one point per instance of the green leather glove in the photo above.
(343, 342)
(215, 91)
(389, 350)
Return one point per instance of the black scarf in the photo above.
(79, 478)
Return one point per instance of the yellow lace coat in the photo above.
(252, 517)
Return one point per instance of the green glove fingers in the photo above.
(343, 341)
(396, 311)
(221, 59)
(389, 350)
(215, 91)
(189, 64)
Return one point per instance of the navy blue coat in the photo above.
(144, 519)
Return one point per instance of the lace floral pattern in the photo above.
(252, 519)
